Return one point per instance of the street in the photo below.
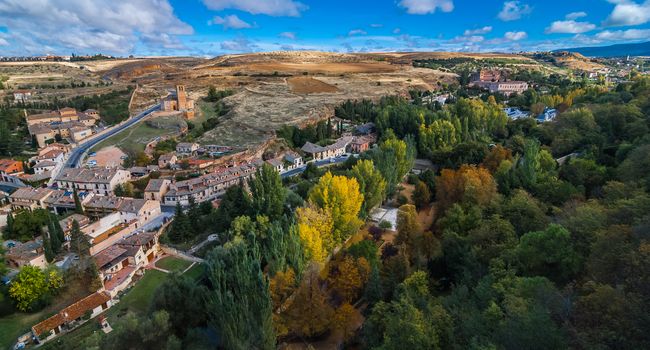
(76, 156)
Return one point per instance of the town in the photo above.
(179, 181)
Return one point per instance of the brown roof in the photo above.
(139, 239)
(155, 185)
(107, 255)
(71, 312)
(8, 163)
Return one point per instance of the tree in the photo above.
(183, 298)
(346, 321)
(27, 225)
(524, 212)
(78, 241)
(413, 320)
(78, 208)
(421, 195)
(31, 284)
(267, 192)
(548, 253)
(310, 314)
(394, 158)
(239, 306)
(371, 184)
(235, 202)
(47, 247)
(469, 184)
(144, 332)
(348, 276)
(315, 227)
(340, 196)
(497, 155)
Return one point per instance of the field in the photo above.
(134, 139)
(309, 85)
(11, 327)
(173, 264)
(110, 156)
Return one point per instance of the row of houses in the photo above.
(495, 80)
(62, 123)
(345, 144)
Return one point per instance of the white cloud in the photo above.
(354, 32)
(264, 7)
(230, 22)
(288, 35)
(576, 15)
(628, 13)
(515, 36)
(513, 10)
(468, 39)
(478, 31)
(423, 7)
(617, 35)
(570, 27)
(240, 44)
(90, 25)
(3, 42)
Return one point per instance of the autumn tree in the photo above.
(496, 155)
(371, 184)
(315, 227)
(340, 196)
(348, 276)
(345, 322)
(421, 195)
(310, 313)
(469, 184)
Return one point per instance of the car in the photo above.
(332, 160)
(92, 154)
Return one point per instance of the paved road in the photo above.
(318, 163)
(77, 154)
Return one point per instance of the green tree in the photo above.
(548, 253)
(267, 192)
(239, 306)
(78, 208)
(79, 241)
(28, 286)
(371, 184)
(421, 195)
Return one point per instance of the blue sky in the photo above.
(214, 27)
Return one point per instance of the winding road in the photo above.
(77, 154)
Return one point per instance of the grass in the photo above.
(196, 272)
(171, 264)
(134, 139)
(15, 325)
(138, 298)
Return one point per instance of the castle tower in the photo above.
(182, 98)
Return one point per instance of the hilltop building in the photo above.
(178, 101)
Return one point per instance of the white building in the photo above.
(101, 181)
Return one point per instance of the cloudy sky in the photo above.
(214, 27)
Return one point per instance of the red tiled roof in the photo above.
(71, 312)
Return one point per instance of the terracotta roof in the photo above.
(6, 163)
(109, 254)
(71, 312)
(138, 240)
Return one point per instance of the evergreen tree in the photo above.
(49, 254)
(55, 242)
(9, 229)
(268, 193)
(78, 208)
(78, 241)
(181, 226)
(240, 307)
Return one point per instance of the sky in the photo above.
(215, 27)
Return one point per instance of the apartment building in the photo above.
(101, 181)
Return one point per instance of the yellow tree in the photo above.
(315, 227)
(346, 321)
(468, 184)
(340, 196)
(349, 276)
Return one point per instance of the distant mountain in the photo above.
(619, 50)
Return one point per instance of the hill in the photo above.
(619, 50)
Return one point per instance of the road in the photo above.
(77, 154)
(318, 163)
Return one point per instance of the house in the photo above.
(106, 231)
(277, 164)
(140, 171)
(200, 164)
(130, 209)
(62, 115)
(331, 151)
(64, 123)
(156, 189)
(27, 254)
(143, 248)
(187, 148)
(365, 129)
(178, 101)
(72, 316)
(515, 113)
(166, 160)
(44, 166)
(62, 201)
(360, 144)
(22, 96)
(66, 224)
(216, 149)
(293, 160)
(101, 181)
(30, 198)
(548, 115)
(10, 168)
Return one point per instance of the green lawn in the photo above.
(139, 297)
(196, 272)
(134, 139)
(13, 326)
(171, 264)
